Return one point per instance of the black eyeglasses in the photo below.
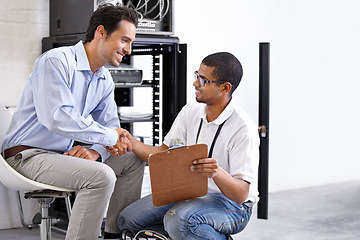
(202, 80)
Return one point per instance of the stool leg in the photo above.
(21, 212)
(68, 206)
(45, 226)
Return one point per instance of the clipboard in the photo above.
(171, 178)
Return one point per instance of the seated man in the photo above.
(231, 166)
(67, 85)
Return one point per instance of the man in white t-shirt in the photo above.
(231, 167)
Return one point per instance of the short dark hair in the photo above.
(227, 68)
(109, 16)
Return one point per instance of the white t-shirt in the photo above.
(237, 145)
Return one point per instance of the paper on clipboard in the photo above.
(171, 178)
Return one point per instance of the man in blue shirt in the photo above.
(66, 86)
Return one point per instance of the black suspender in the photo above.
(198, 133)
(215, 137)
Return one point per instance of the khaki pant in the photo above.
(119, 178)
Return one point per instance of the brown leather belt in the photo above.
(10, 152)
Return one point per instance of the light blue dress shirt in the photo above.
(58, 98)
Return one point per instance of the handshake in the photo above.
(123, 144)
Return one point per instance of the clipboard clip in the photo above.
(176, 143)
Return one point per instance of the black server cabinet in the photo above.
(71, 16)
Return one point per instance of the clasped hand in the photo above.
(123, 144)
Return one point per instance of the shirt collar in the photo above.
(226, 113)
(82, 62)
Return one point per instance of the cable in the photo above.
(161, 13)
(125, 233)
(151, 233)
(142, 8)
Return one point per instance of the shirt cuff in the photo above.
(110, 137)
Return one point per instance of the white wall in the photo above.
(23, 23)
(314, 78)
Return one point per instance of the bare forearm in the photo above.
(143, 151)
(233, 188)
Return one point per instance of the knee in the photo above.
(182, 222)
(104, 177)
(126, 220)
(109, 176)
(176, 223)
(122, 222)
(136, 216)
(171, 222)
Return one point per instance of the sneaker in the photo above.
(108, 235)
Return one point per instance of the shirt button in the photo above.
(89, 138)
(108, 143)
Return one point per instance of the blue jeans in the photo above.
(212, 216)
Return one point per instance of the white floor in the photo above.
(330, 212)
